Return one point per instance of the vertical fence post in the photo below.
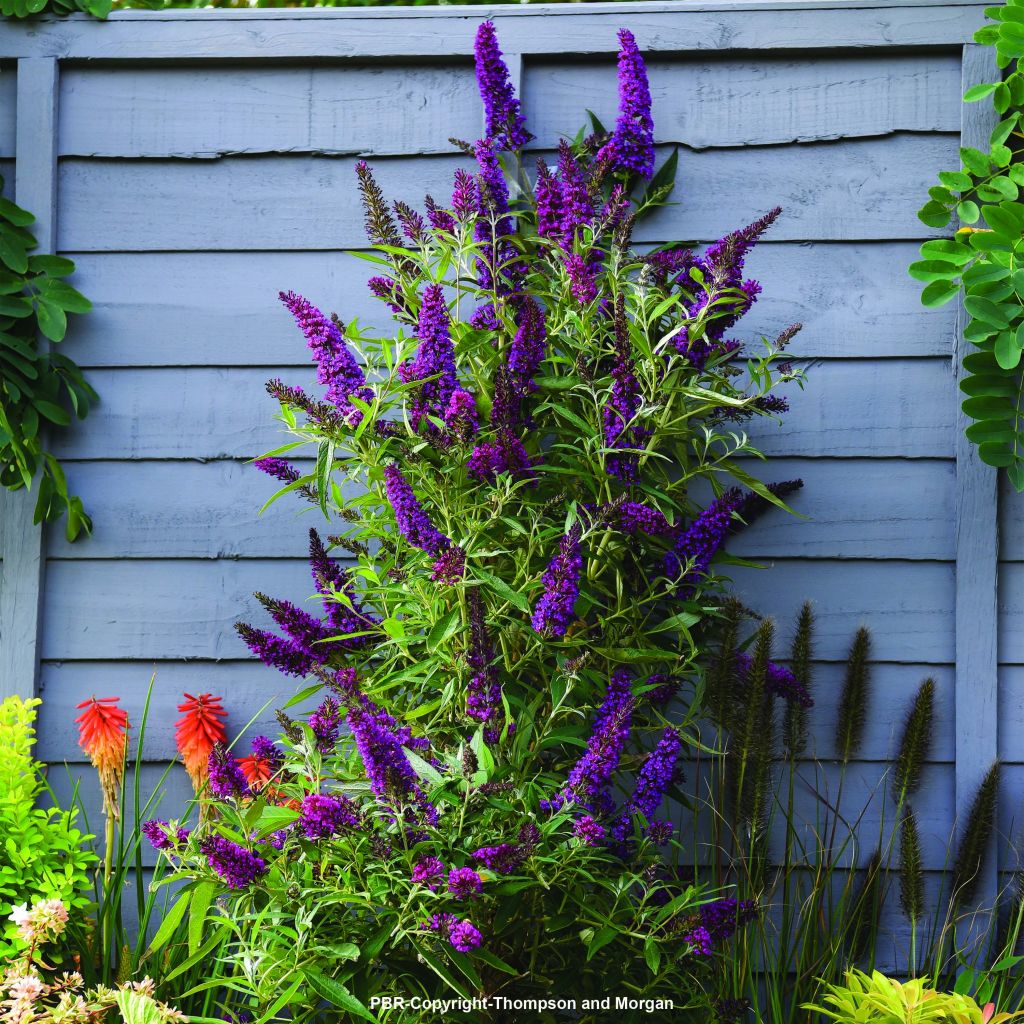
(35, 188)
(977, 544)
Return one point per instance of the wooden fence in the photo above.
(193, 163)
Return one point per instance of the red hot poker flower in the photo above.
(103, 735)
(196, 733)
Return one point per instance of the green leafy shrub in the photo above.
(535, 475)
(38, 386)
(43, 855)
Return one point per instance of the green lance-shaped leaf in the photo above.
(794, 727)
(853, 705)
(911, 868)
(975, 838)
(866, 908)
(918, 733)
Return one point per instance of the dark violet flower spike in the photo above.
(504, 121)
(464, 883)
(449, 567)
(582, 277)
(337, 368)
(330, 579)
(555, 610)
(631, 146)
(276, 652)
(323, 816)
(696, 546)
(465, 937)
(413, 523)
(502, 859)
(227, 781)
(236, 865)
(428, 872)
(652, 782)
(380, 225)
(325, 723)
(577, 202)
(279, 469)
(465, 198)
(550, 204)
(440, 220)
(589, 831)
(618, 413)
(304, 630)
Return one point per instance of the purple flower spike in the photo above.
(155, 831)
(483, 697)
(330, 579)
(589, 779)
(428, 871)
(698, 543)
(464, 883)
(272, 650)
(653, 781)
(324, 816)
(505, 123)
(589, 831)
(619, 429)
(465, 937)
(555, 610)
(582, 281)
(502, 859)
(227, 780)
(236, 865)
(279, 469)
(465, 199)
(325, 723)
(631, 147)
(336, 366)
(550, 204)
(449, 567)
(577, 204)
(413, 523)
(435, 358)
(460, 416)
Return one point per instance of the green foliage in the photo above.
(875, 999)
(43, 854)
(39, 387)
(29, 8)
(982, 261)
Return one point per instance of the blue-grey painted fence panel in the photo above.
(861, 189)
(8, 101)
(192, 189)
(163, 309)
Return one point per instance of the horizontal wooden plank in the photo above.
(848, 408)
(140, 610)
(767, 101)
(190, 309)
(151, 111)
(907, 606)
(1011, 608)
(1011, 713)
(165, 610)
(1011, 522)
(856, 508)
(8, 108)
(197, 111)
(401, 32)
(863, 508)
(7, 174)
(863, 189)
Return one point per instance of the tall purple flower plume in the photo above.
(631, 146)
(236, 865)
(554, 612)
(413, 523)
(696, 545)
(652, 782)
(336, 366)
(504, 120)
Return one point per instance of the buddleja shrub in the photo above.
(476, 808)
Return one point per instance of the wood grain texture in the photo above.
(1010, 610)
(8, 102)
(862, 508)
(200, 111)
(339, 34)
(21, 575)
(193, 309)
(185, 609)
(768, 101)
(863, 189)
(977, 543)
(848, 408)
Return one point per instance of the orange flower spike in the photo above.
(258, 771)
(196, 733)
(103, 735)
